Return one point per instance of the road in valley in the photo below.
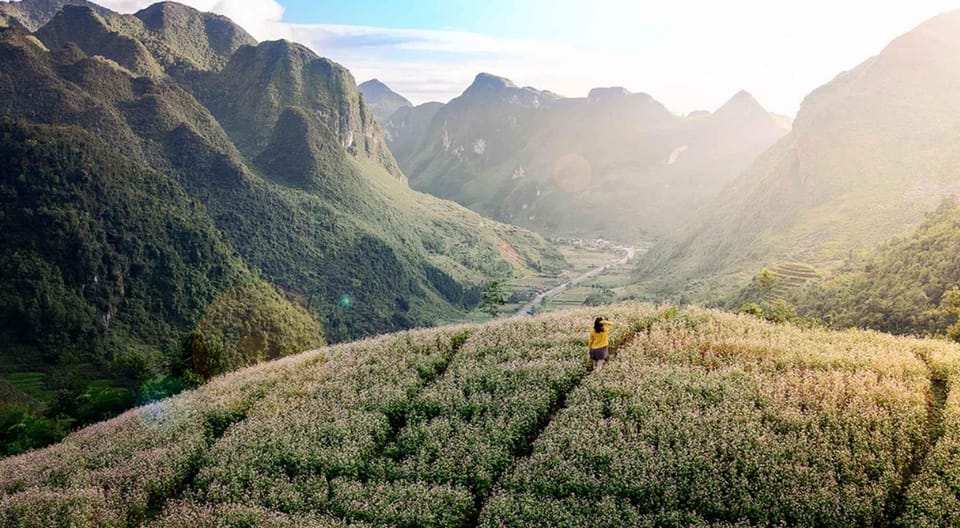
(628, 254)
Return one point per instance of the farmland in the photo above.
(700, 418)
(582, 257)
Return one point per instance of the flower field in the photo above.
(700, 418)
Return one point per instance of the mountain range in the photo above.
(164, 174)
(613, 164)
(870, 153)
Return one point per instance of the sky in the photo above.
(688, 54)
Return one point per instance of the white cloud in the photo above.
(426, 65)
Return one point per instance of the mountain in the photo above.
(903, 286)
(81, 222)
(33, 14)
(404, 128)
(237, 138)
(699, 418)
(165, 38)
(281, 208)
(869, 154)
(614, 164)
(382, 100)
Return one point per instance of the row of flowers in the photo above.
(717, 420)
(699, 419)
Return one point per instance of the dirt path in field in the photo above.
(525, 449)
(628, 253)
(936, 402)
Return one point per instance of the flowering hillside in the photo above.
(700, 418)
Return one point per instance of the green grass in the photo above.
(34, 384)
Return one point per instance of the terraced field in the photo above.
(792, 276)
(700, 418)
(33, 384)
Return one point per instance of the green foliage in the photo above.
(22, 430)
(161, 387)
(600, 298)
(753, 309)
(766, 280)
(100, 400)
(205, 357)
(247, 325)
(492, 297)
(951, 303)
(906, 286)
(777, 311)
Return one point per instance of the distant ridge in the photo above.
(868, 154)
(34, 14)
(382, 99)
(614, 164)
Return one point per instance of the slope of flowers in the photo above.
(121, 472)
(933, 497)
(389, 443)
(407, 429)
(699, 419)
(710, 419)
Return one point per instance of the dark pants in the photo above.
(597, 354)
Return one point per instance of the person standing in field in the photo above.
(599, 342)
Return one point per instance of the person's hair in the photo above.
(598, 324)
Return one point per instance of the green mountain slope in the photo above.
(900, 287)
(382, 100)
(614, 164)
(34, 14)
(869, 153)
(699, 419)
(348, 228)
(107, 265)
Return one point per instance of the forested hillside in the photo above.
(906, 286)
(870, 153)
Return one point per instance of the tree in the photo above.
(951, 303)
(767, 280)
(492, 297)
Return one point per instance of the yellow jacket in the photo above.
(601, 339)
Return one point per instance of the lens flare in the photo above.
(572, 173)
(346, 301)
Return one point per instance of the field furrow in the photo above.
(700, 418)
(719, 421)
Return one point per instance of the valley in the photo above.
(597, 267)
(241, 289)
